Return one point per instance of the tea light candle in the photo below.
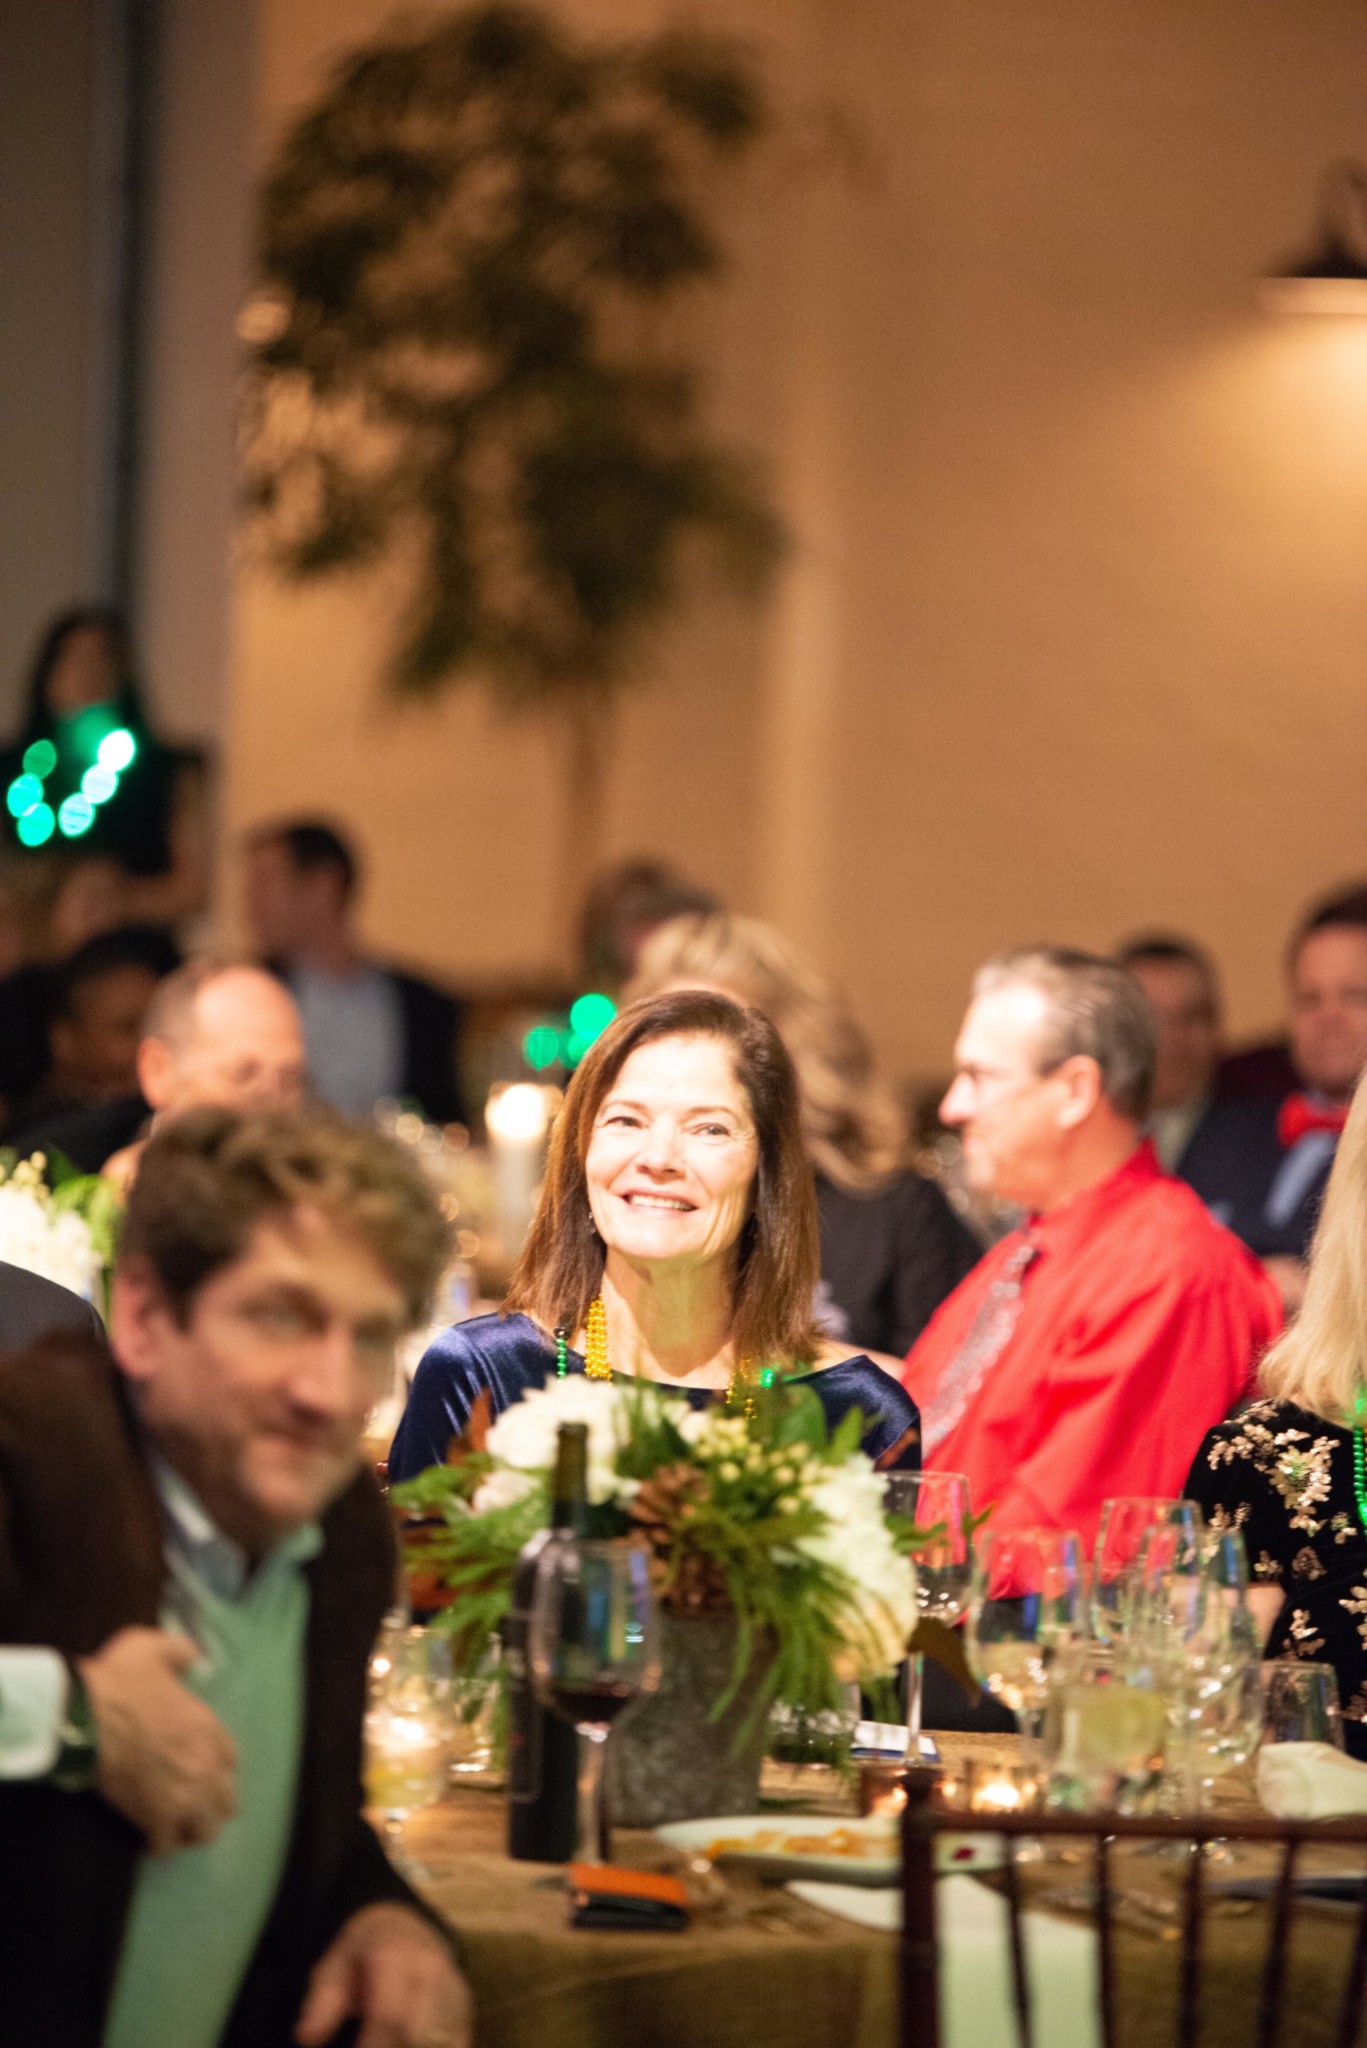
(882, 1789)
(997, 1794)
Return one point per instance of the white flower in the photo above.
(41, 1239)
(501, 1489)
(857, 1542)
(524, 1435)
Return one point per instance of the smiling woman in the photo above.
(675, 1240)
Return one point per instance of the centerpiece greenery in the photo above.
(760, 1516)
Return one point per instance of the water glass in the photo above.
(1302, 1703)
(1025, 1604)
(407, 1731)
(1125, 1523)
(1105, 1734)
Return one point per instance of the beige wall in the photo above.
(1073, 637)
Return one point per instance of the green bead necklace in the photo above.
(739, 1380)
(1360, 1462)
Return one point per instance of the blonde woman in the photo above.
(891, 1246)
(1291, 1471)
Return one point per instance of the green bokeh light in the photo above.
(24, 792)
(541, 1046)
(99, 784)
(591, 1015)
(40, 759)
(574, 1045)
(117, 749)
(76, 816)
(36, 825)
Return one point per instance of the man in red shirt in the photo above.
(1088, 1352)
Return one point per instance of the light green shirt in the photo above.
(197, 1914)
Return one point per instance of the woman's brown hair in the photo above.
(854, 1131)
(777, 1258)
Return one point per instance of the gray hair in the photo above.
(1095, 1009)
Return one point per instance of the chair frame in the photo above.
(919, 1957)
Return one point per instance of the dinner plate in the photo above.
(777, 1847)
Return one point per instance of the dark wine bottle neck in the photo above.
(570, 1486)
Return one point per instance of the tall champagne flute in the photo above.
(1025, 1604)
(1125, 1522)
(593, 1647)
(938, 1503)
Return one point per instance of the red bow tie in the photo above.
(1299, 1116)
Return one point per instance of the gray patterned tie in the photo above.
(991, 1331)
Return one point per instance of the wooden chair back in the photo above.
(923, 1821)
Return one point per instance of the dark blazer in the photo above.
(431, 1048)
(31, 1307)
(81, 1556)
(1232, 1158)
(432, 1022)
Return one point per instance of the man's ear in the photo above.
(155, 1071)
(139, 1315)
(1081, 1079)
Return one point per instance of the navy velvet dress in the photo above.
(504, 1356)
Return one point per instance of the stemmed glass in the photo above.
(1125, 1522)
(1025, 1604)
(937, 1502)
(593, 1646)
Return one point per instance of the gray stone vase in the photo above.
(669, 1760)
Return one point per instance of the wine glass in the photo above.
(407, 1727)
(1302, 1703)
(1025, 1603)
(593, 1646)
(1167, 1603)
(1125, 1522)
(938, 1503)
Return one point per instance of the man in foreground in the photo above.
(189, 1525)
(1089, 1351)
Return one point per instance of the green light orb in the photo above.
(573, 1046)
(36, 825)
(590, 1016)
(40, 759)
(99, 784)
(76, 816)
(24, 792)
(117, 749)
(541, 1046)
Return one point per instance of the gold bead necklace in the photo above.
(597, 1365)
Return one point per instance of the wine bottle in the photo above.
(543, 1750)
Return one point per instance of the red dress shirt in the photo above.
(1141, 1323)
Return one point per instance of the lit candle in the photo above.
(882, 1789)
(516, 1118)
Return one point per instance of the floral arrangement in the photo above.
(762, 1515)
(64, 1232)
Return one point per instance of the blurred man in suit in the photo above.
(372, 1031)
(1261, 1165)
(1183, 989)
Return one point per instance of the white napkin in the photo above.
(1310, 1781)
(975, 1962)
